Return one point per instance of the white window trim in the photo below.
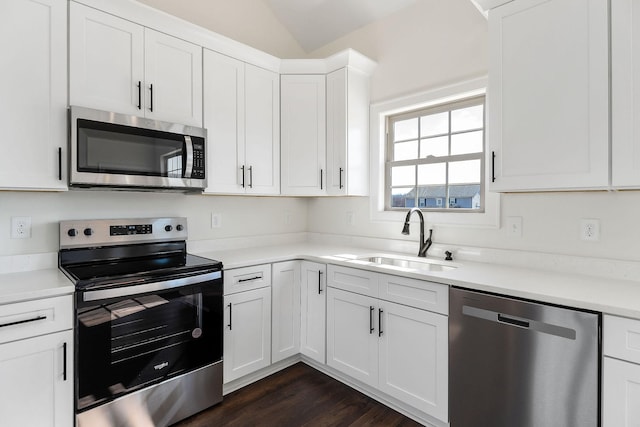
(490, 218)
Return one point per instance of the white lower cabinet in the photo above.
(36, 363)
(37, 381)
(285, 310)
(313, 302)
(621, 372)
(398, 349)
(247, 325)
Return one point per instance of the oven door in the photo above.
(128, 342)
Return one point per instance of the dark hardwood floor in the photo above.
(297, 396)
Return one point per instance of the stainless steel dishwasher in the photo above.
(519, 363)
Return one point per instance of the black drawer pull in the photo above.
(250, 279)
(64, 361)
(371, 328)
(379, 322)
(229, 325)
(20, 322)
(319, 282)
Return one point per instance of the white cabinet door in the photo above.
(33, 99)
(106, 61)
(117, 65)
(242, 117)
(625, 96)
(173, 76)
(223, 82)
(37, 387)
(303, 134)
(347, 133)
(285, 310)
(352, 336)
(247, 332)
(313, 303)
(548, 95)
(414, 358)
(620, 394)
(262, 130)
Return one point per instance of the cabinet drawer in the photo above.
(622, 338)
(247, 278)
(415, 293)
(31, 318)
(354, 280)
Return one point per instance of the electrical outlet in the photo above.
(216, 220)
(288, 218)
(590, 230)
(349, 218)
(20, 227)
(514, 226)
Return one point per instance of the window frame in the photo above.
(490, 218)
(447, 159)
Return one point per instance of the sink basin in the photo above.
(426, 265)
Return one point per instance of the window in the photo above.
(435, 158)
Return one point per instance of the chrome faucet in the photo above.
(424, 244)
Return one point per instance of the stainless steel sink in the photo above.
(426, 265)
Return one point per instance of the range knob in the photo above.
(88, 231)
(168, 228)
(179, 227)
(72, 232)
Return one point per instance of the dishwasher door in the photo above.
(517, 363)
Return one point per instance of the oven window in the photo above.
(134, 341)
(109, 148)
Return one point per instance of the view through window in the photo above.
(435, 158)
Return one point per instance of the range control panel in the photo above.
(105, 232)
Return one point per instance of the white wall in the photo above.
(241, 216)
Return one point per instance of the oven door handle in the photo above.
(124, 291)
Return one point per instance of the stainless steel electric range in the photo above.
(148, 324)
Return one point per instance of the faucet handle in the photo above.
(448, 256)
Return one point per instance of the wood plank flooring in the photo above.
(298, 396)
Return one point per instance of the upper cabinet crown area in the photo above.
(128, 58)
(549, 101)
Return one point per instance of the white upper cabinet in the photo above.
(241, 114)
(117, 65)
(625, 93)
(347, 133)
(548, 95)
(33, 94)
(303, 134)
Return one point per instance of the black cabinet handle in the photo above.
(321, 177)
(139, 95)
(229, 325)
(249, 279)
(493, 166)
(20, 322)
(64, 361)
(371, 328)
(250, 176)
(319, 282)
(340, 178)
(242, 175)
(379, 322)
(151, 98)
(59, 163)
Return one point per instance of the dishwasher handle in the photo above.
(511, 321)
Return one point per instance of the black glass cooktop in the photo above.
(113, 267)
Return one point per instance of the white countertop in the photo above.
(612, 296)
(36, 284)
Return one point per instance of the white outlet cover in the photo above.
(514, 226)
(216, 220)
(20, 227)
(590, 230)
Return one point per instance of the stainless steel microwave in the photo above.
(113, 150)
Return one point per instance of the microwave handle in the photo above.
(188, 164)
